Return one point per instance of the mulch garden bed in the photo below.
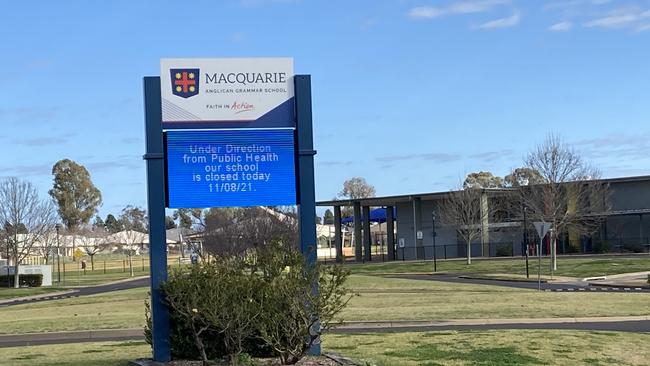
(328, 360)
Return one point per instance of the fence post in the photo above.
(104, 267)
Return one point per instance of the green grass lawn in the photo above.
(379, 299)
(87, 354)
(484, 348)
(10, 293)
(567, 266)
(401, 299)
(113, 310)
(494, 348)
(97, 277)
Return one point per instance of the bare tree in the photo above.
(466, 211)
(571, 197)
(93, 240)
(20, 206)
(46, 247)
(234, 231)
(134, 222)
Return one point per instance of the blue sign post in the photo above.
(224, 168)
(156, 206)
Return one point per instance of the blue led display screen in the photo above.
(230, 168)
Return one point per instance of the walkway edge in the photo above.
(504, 321)
(36, 297)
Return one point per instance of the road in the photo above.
(23, 340)
(83, 291)
(558, 287)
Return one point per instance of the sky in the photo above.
(410, 94)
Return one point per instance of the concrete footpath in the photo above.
(622, 324)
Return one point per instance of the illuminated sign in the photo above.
(232, 167)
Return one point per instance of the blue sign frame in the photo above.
(230, 168)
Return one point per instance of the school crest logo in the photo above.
(185, 82)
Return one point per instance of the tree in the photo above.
(112, 224)
(570, 196)
(98, 222)
(523, 177)
(134, 223)
(75, 194)
(328, 217)
(46, 246)
(93, 240)
(189, 218)
(231, 232)
(466, 210)
(20, 205)
(482, 180)
(357, 187)
(169, 223)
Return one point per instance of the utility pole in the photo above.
(525, 248)
(433, 221)
(58, 254)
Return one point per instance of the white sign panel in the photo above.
(229, 92)
(542, 228)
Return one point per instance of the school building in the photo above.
(402, 227)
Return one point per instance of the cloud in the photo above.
(568, 4)
(617, 146)
(334, 163)
(632, 17)
(489, 156)
(132, 140)
(42, 141)
(459, 7)
(28, 170)
(561, 27)
(253, 3)
(643, 27)
(130, 163)
(32, 114)
(506, 22)
(437, 157)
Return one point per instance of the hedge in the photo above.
(26, 280)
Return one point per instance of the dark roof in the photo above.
(431, 196)
(391, 200)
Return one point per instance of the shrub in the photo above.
(503, 251)
(212, 312)
(262, 304)
(295, 313)
(601, 246)
(633, 247)
(25, 280)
